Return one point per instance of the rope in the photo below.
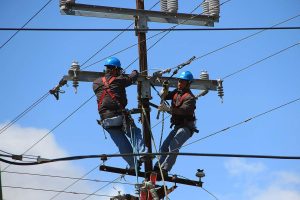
(159, 165)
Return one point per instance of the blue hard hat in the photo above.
(113, 62)
(187, 75)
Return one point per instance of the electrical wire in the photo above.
(118, 35)
(25, 24)
(244, 38)
(244, 121)
(169, 30)
(60, 123)
(261, 60)
(18, 117)
(120, 177)
(122, 30)
(211, 194)
(56, 195)
(122, 50)
(66, 177)
(51, 190)
(82, 157)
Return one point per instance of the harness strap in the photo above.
(108, 91)
(176, 103)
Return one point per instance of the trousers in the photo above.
(129, 141)
(174, 141)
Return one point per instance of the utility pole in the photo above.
(144, 100)
(144, 82)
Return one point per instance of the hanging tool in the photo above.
(165, 84)
(56, 90)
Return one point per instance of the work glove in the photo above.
(165, 90)
(135, 71)
(164, 108)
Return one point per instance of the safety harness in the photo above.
(177, 119)
(107, 90)
(176, 103)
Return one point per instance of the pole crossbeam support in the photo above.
(69, 7)
(90, 76)
(173, 179)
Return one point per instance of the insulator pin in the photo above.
(204, 75)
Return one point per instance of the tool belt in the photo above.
(121, 119)
(184, 121)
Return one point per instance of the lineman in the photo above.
(183, 119)
(112, 100)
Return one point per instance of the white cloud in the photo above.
(277, 193)
(17, 140)
(238, 166)
(257, 183)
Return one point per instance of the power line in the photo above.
(150, 29)
(220, 131)
(172, 28)
(153, 154)
(60, 123)
(211, 194)
(50, 190)
(263, 59)
(65, 177)
(244, 38)
(22, 114)
(120, 177)
(122, 50)
(25, 24)
(244, 121)
(118, 35)
(53, 197)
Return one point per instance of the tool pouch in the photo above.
(116, 121)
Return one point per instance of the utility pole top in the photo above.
(69, 7)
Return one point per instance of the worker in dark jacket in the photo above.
(183, 119)
(112, 100)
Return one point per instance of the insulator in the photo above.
(214, 7)
(205, 6)
(75, 83)
(172, 6)
(220, 89)
(75, 68)
(163, 5)
(204, 75)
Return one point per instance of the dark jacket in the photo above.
(182, 109)
(109, 107)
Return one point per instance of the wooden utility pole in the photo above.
(144, 100)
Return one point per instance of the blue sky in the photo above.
(34, 62)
